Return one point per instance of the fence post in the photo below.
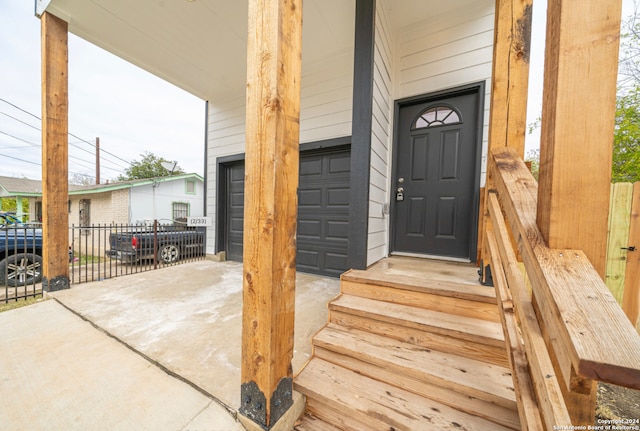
(618, 238)
(631, 294)
(155, 244)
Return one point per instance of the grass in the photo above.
(13, 304)
(86, 259)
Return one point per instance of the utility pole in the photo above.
(97, 160)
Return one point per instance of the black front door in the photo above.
(435, 182)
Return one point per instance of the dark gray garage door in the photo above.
(323, 211)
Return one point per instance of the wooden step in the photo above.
(465, 336)
(351, 401)
(477, 379)
(450, 300)
(490, 411)
(309, 422)
(419, 275)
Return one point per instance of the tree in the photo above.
(626, 138)
(149, 167)
(626, 143)
(630, 49)
(11, 205)
(81, 179)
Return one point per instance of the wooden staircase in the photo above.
(407, 351)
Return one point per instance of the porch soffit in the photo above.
(200, 45)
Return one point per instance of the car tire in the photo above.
(21, 269)
(169, 253)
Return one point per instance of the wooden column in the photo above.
(578, 113)
(271, 181)
(55, 107)
(509, 84)
(510, 77)
(581, 63)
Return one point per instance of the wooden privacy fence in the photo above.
(567, 332)
(623, 249)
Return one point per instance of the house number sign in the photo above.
(199, 221)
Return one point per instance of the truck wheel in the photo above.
(21, 269)
(169, 253)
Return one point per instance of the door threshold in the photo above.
(431, 256)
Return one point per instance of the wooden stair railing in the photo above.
(566, 333)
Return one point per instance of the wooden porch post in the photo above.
(271, 180)
(509, 84)
(581, 63)
(55, 126)
(578, 115)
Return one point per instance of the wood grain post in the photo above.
(578, 112)
(581, 63)
(55, 126)
(271, 180)
(509, 84)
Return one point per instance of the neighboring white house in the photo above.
(129, 202)
(165, 199)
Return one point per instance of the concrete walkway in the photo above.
(166, 355)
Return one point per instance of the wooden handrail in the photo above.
(506, 272)
(588, 329)
(574, 331)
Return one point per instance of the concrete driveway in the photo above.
(182, 323)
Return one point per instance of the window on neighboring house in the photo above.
(180, 211)
(437, 116)
(85, 212)
(38, 211)
(190, 187)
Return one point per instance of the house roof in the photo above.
(11, 186)
(201, 45)
(101, 188)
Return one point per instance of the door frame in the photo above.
(479, 89)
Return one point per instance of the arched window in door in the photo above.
(437, 116)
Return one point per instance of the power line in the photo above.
(39, 164)
(39, 146)
(20, 139)
(70, 134)
(22, 160)
(20, 121)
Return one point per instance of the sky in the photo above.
(130, 110)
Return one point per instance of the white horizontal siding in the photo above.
(378, 232)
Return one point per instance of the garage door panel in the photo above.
(338, 197)
(323, 212)
(311, 167)
(310, 198)
(339, 163)
(335, 263)
(337, 230)
(311, 229)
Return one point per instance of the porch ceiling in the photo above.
(200, 45)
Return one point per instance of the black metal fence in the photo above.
(96, 252)
(101, 252)
(20, 262)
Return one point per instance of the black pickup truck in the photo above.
(171, 243)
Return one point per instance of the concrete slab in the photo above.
(57, 372)
(188, 318)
